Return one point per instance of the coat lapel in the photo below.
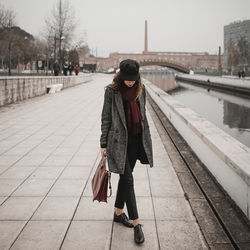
(119, 105)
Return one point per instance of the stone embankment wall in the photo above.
(231, 85)
(14, 89)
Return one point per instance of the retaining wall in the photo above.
(232, 85)
(14, 89)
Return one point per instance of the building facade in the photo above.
(234, 56)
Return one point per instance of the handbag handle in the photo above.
(103, 159)
(110, 188)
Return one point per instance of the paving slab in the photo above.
(3, 168)
(49, 151)
(34, 187)
(48, 172)
(41, 235)
(172, 208)
(88, 235)
(19, 208)
(180, 235)
(141, 188)
(7, 186)
(2, 199)
(56, 208)
(89, 210)
(75, 173)
(67, 187)
(17, 172)
(9, 231)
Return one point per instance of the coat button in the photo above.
(115, 140)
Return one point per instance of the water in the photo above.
(228, 112)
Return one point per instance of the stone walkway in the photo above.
(49, 150)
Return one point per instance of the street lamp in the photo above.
(55, 39)
(59, 39)
(96, 58)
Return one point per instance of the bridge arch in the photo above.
(164, 63)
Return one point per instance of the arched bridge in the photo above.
(180, 61)
(161, 62)
(164, 63)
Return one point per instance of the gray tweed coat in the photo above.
(114, 134)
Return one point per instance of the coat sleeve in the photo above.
(106, 118)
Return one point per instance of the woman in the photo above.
(77, 69)
(125, 138)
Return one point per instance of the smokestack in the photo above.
(146, 38)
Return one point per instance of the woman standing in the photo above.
(125, 138)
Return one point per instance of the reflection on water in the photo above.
(228, 112)
(236, 116)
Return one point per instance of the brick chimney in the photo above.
(146, 38)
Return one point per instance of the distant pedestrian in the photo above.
(71, 68)
(56, 68)
(65, 68)
(243, 74)
(239, 74)
(77, 69)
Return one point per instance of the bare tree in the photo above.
(82, 48)
(79, 51)
(44, 48)
(7, 36)
(7, 17)
(61, 24)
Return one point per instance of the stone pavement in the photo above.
(49, 150)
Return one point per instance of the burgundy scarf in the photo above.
(132, 110)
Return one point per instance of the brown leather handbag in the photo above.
(100, 182)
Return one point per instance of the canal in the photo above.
(228, 112)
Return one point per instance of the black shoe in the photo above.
(138, 234)
(123, 219)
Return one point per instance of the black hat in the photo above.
(129, 70)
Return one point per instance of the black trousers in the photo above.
(125, 190)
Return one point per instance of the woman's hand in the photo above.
(103, 151)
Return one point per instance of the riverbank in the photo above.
(228, 84)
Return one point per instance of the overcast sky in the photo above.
(118, 25)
